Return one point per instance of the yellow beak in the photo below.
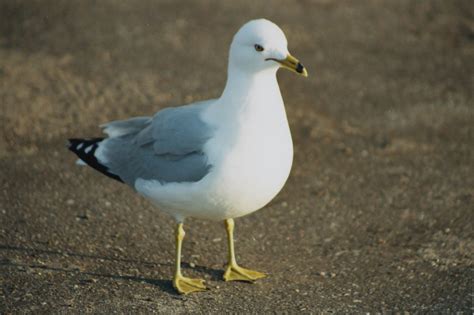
(292, 64)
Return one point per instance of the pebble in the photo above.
(82, 217)
(327, 274)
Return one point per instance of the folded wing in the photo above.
(167, 147)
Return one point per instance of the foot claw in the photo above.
(186, 285)
(237, 273)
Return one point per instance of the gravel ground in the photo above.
(377, 215)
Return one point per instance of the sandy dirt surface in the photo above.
(377, 215)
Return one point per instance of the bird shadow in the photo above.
(164, 285)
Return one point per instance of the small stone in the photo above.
(217, 239)
(192, 265)
(284, 204)
(108, 203)
(82, 217)
(70, 202)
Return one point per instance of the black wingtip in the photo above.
(85, 151)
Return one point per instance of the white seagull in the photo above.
(217, 159)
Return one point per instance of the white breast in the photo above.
(251, 157)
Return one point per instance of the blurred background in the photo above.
(376, 216)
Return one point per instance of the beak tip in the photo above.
(301, 70)
(292, 64)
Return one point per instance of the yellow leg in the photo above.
(233, 271)
(182, 284)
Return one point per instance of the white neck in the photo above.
(247, 98)
(241, 85)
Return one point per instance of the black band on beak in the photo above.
(299, 67)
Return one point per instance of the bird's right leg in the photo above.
(234, 271)
(182, 284)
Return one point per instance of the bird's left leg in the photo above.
(183, 284)
(233, 271)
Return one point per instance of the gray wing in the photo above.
(126, 127)
(167, 147)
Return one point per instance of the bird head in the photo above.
(261, 45)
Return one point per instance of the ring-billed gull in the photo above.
(218, 159)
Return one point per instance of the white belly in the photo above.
(254, 170)
(245, 180)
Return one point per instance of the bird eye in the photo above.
(258, 47)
